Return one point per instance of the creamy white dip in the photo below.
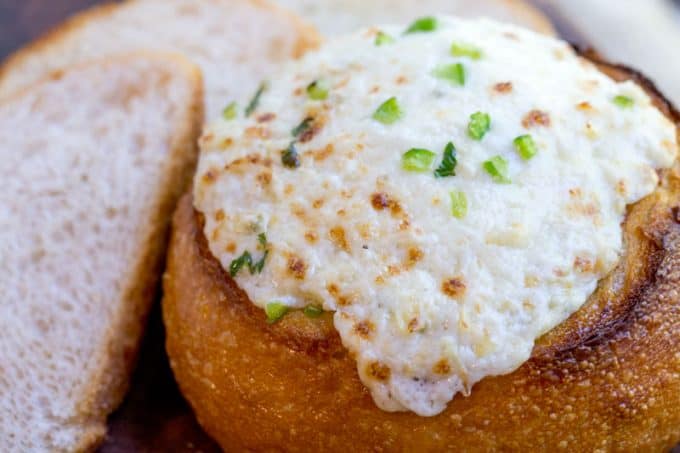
(429, 302)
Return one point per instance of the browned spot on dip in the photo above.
(257, 132)
(231, 247)
(454, 287)
(210, 176)
(316, 204)
(413, 325)
(311, 237)
(413, 255)
(442, 367)
(264, 178)
(583, 265)
(219, 215)
(323, 153)
(266, 117)
(536, 118)
(584, 106)
(503, 87)
(379, 371)
(364, 328)
(226, 143)
(337, 235)
(297, 267)
(401, 80)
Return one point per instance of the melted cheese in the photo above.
(429, 304)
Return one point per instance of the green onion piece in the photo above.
(257, 267)
(454, 73)
(424, 24)
(262, 239)
(459, 204)
(525, 146)
(497, 167)
(449, 162)
(466, 50)
(318, 90)
(417, 159)
(389, 111)
(383, 38)
(244, 260)
(290, 157)
(252, 105)
(275, 311)
(312, 311)
(479, 125)
(624, 102)
(230, 111)
(303, 126)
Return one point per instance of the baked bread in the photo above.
(236, 43)
(335, 17)
(93, 161)
(606, 378)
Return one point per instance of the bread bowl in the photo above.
(596, 369)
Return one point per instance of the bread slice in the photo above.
(92, 162)
(237, 43)
(333, 17)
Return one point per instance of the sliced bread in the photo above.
(333, 17)
(236, 43)
(92, 162)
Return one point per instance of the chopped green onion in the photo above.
(466, 50)
(312, 311)
(388, 112)
(303, 126)
(383, 38)
(525, 146)
(290, 157)
(230, 111)
(454, 73)
(497, 167)
(479, 125)
(262, 239)
(275, 311)
(258, 266)
(417, 159)
(424, 24)
(252, 105)
(318, 90)
(449, 162)
(624, 102)
(459, 204)
(238, 263)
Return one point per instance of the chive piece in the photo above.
(318, 90)
(312, 311)
(257, 267)
(497, 167)
(302, 127)
(290, 157)
(262, 239)
(479, 125)
(449, 162)
(417, 159)
(389, 111)
(230, 111)
(525, 146)
(624, 102)
(244, 260)
(275, 311)
(466, 50)
(252, 105)
(422, 25)
(459, 204)
(454, 73)
(383, 38)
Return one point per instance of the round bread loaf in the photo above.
(606, 378)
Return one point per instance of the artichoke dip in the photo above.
(451, 190)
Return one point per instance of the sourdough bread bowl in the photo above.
(456, 235)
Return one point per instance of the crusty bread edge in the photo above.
(106, 389)
(308, 37)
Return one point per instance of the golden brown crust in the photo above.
(606, 379)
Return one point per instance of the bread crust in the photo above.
(608, 378)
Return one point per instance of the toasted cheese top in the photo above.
(450, 193)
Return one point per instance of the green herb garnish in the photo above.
(312, 311)
(246, 259)
(275, 311)
(497, 167)
(262, 239)
(459, 204)
(449, 162)
(230, 111)
(466, 50)
(422, 25)
(318, 90)
(383, 38)
(624, 102)
(454, 73)
(252, 105)
(479, 125)
(389, 111)
(302, 127)
(525, 146)
(417, 159)
(290, 157)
